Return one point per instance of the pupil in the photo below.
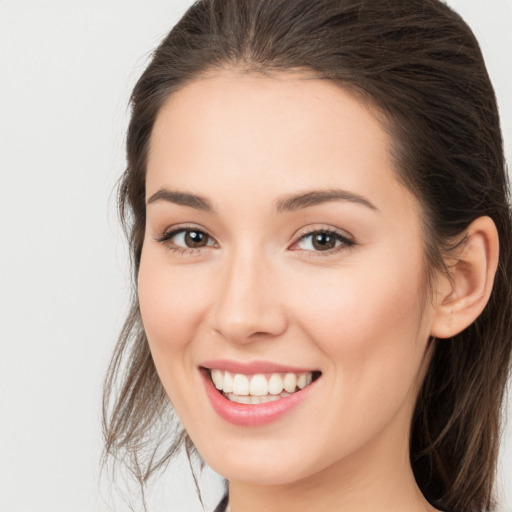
(323, 241)
(195, 239)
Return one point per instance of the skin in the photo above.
(259, 290)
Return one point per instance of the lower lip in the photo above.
(251, 415)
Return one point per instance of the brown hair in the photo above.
(420, 65)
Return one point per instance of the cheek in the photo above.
(170, 306)
(372, 327)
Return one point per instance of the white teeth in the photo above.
(218, 378)
(258, 388)
(253, 400)
(289, 382)
(264, 399)
(240, 384)
(303, 380)
(275, 384)
(228, 383)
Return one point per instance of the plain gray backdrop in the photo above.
(66, 71)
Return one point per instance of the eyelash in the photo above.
(344, 241)
(166, 237)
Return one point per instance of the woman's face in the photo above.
(280, 244)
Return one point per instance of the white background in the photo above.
(66, 70)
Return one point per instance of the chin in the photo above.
(264, 461)
(260, 473)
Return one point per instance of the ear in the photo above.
(463, 294)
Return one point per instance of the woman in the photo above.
(317, 207)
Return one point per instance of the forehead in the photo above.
(306, 106)
(262, 134)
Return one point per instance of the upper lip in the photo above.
(252, 367)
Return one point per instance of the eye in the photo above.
(322, 241)
(190, 238)
(186, 239)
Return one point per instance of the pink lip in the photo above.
(251, 415)
(252, 368)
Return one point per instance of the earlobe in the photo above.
(464, 293)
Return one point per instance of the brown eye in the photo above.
(323, 241)
(186, 239)
(195, 239)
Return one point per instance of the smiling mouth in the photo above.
(259, 388)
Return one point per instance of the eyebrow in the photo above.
(286, 204)
(181, 198)
(315, 197)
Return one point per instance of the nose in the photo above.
(248, 301)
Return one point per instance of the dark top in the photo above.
(221, 507)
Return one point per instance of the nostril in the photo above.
(260, 334)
